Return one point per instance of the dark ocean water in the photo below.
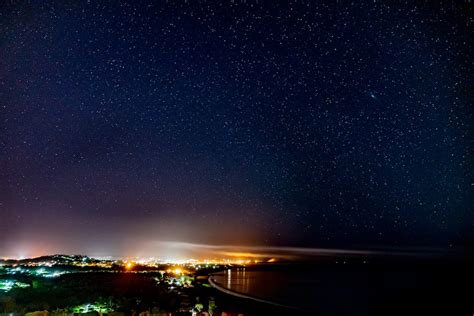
(303, 289)
(398, 288)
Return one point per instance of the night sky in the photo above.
(239, 123)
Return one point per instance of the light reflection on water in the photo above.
(307, 290)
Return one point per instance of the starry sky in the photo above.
(234, 123)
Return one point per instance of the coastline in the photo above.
(223, 289)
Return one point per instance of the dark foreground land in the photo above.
(383, 285)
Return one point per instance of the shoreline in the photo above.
(223, 289)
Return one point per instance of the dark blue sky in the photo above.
(234, 123)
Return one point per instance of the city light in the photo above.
(7, 285)
(129, 265)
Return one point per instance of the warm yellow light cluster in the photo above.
(176, 271)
